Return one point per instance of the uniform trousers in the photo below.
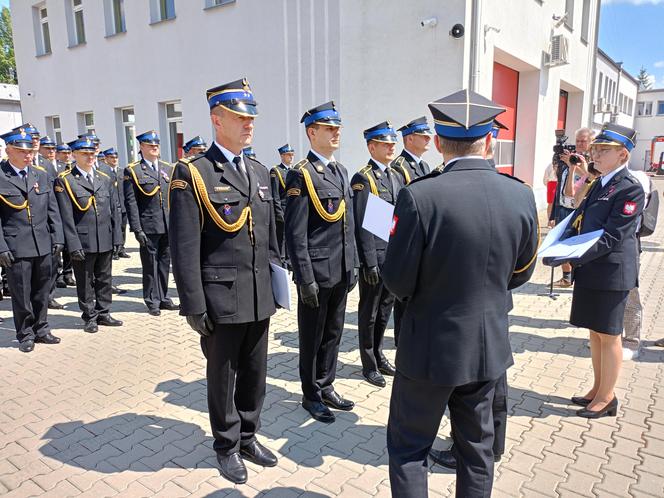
(156, 262)
(320, 331)
(281, 238)
(236, 369)
(29, 281)
(93, 284)
(56, 271)
(373, 314)
(416, 409)
(399, 309)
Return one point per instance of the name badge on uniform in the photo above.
(222, 189)
(227, 209)
(330, 206)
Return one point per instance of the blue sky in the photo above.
(631, 31)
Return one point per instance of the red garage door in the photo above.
(506, 94)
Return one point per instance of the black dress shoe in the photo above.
(335, 401)
(54, 305)
(47, 339)
(91, 327)
(115, 256)
(232, 468)
(386, 368)
(318, 411)
(610, 410)
(26, 346)
(123, 254)
(581, 401)
(375, 378)
(444, 458)
(169, 305)
(6, 292)
(60, 283)
(109, 321)
(257, 453)
(117, 290)
(154, 312)
(69, 280)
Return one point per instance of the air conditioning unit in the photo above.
(558, 51)
(607, 108)
(614, 109)
(599, 106)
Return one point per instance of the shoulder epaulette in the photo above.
(131, 165)
(102, 173)
(300, 164)
(399, 160)
(507, 175)
(366, 169)
(65, 173)
(186, 160)
(39, 168)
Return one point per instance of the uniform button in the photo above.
(256, 270)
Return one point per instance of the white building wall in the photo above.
(648, 127)
(374, 59)
(608, 96)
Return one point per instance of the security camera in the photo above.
(457, 31)
(432, 22)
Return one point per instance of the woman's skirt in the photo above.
(602, 311)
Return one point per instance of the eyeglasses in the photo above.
(600, 152)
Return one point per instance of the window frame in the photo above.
(130, 149)
(660, 108)
(174, 149)
(76, 10)
(44, 38)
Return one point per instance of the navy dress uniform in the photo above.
(223, 240)
(606, 273)
(194, 146)
(278, 176)
(410, 167)
(117, 178)
(376, 301)
(145, 189)
(321, 246)
(30, 232)
(65, 272)
(454, 341)
(50, 166)
(62, 166)
(91, 221)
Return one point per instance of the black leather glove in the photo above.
(201, 323)
(77, 255)
(552, 262)
(57, 249)
(371, 275)
(141, 238)
(6, 259)
(309, 294)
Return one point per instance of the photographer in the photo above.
(571, 164)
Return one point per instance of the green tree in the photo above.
(7, 60)
(645, 82)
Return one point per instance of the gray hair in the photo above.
(585, 130)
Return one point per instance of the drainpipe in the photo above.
(476, 25)
(591, 113)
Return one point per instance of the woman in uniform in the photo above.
(606, 273)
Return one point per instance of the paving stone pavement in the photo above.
(123, 412)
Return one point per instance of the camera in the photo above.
(562, 146)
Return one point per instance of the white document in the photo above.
(378, 217)
(281, 286)
(573, 247)
(554, 234)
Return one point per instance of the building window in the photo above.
(630, 107)
(585, 21)
(644, 108)
(569, 10)
(216, 3)
(129, 134)
(115, 17)
(173, 114)
(599, 87)
(86, 122)
(162, 10)
(660, 108)
(42, 31)
(79, 25)
(54, 129)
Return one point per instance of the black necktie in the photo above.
(332, 165)
(240, 171)
(24, 176)
(423, 170)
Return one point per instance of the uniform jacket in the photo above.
(386, 185)
(50, 168)
(612, 263)
(89, 212)
(460, 240)
(117, 179)
(29, 216)
(319, 250)
(221, 268)
(278, 176)
(145, 192)
(408, 168)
